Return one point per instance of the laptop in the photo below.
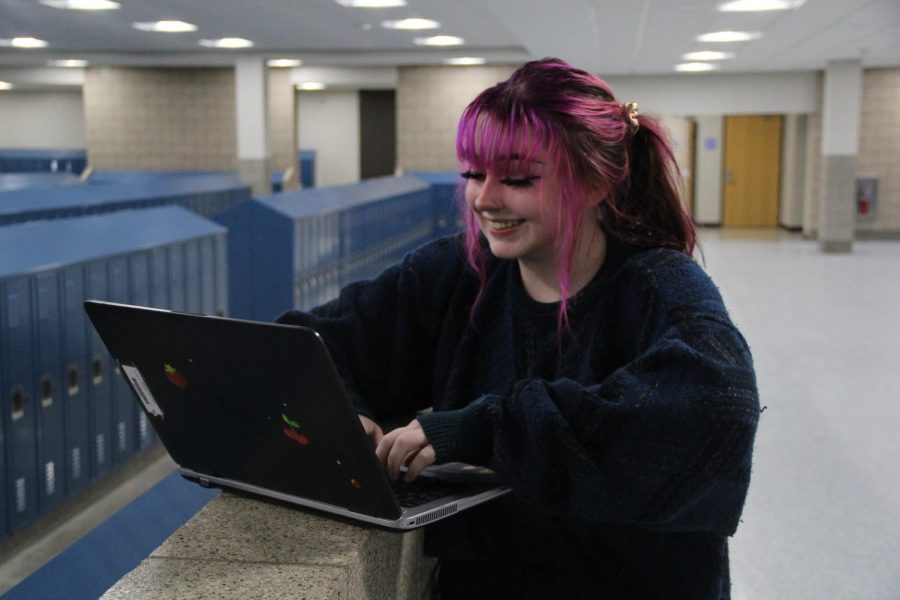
(260, 408)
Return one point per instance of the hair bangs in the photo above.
(489, 141)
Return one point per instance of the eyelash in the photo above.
(510, 181)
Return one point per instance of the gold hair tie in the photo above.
(631, 112)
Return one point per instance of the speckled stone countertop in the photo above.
(238, 547)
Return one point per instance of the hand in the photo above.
(405, 446)
(372, 430)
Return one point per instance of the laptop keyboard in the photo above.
(422, 490)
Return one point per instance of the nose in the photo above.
(488, 196)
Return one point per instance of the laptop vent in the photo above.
(435, 514)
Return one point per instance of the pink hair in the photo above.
(592, 147)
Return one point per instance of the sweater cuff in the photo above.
(462, 435)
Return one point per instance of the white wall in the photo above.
(744, 94)
(41, 120)
(708, 170)
(328, 122)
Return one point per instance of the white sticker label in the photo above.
(143, 392)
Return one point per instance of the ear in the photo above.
(595, 195)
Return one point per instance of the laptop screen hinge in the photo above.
(203, 481)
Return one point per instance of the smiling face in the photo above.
(516, 208)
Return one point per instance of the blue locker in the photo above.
(221, 279)
(48, 388)
(139, 430)
(177, 297)
(99, 379)
(124, 410)
(159, 277)
(74, 380)
(208, 276)
(19, 410)
(192, 282)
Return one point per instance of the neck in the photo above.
(541, 280)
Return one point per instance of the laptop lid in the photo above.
(254, 406)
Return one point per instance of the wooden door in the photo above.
(752, 171)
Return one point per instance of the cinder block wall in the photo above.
(430, 101)
(160, 119)
(879, 147)
(282, 124)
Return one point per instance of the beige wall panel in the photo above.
(160, 119)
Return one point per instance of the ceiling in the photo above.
(610, 37)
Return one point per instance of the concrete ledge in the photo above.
(237, 547)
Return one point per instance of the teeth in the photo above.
(505, 224)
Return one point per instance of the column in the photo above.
(251, 104)
(840, 146)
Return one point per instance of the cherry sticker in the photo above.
(175, 377)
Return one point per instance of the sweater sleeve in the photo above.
(664, 442)
(381, 332)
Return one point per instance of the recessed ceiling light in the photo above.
(729, 36)
(695, 67)
(708, 55)
(82, 4)
(758, 5)
(311, 85)
(5, 85)
(24, 42)
(440, 40)
(164, 26)
(284, 62)
(69, 63)
(411, 24)
(464, 60)
(227, 42)
(372, 3)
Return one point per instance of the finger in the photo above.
(376, 435)
(408, 442)
(384, 446)
(422, 459)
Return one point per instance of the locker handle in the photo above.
(46, 391)
(18, 404)
(97, 371)
(72, 379)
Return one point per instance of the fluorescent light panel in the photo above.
(311, 85)
(164, 26)
(411, 24)
(696, 67)
(707, 55)
(729, 36)
(284, 62)
(758, 5)
(5, 85)
(465, 60)
(82, 4)
(69, 63)
(227, 42)
(24, 42)
(440, 40)
(372, 3)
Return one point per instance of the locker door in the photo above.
(74, 380)
(49, 407)
(98, 379)
(19, 410)
(124, 417)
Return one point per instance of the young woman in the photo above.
(569, 341)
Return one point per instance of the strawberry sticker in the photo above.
(291, 431)
(175, 377)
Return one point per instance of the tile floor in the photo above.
(822, 520)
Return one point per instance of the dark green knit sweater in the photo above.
(627, 442)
